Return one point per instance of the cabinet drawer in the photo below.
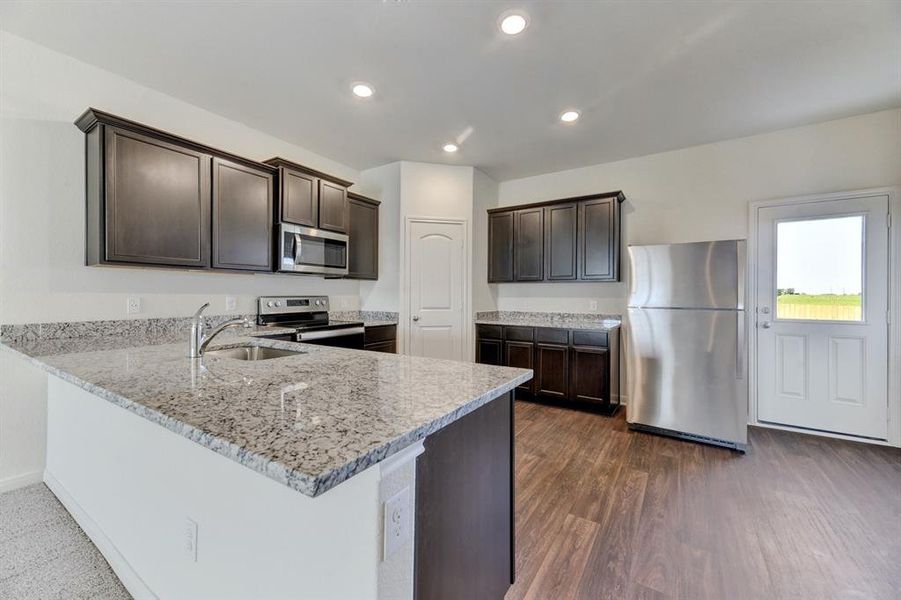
(389, 347)
(546, 335)
(494, 332)
(590, 338)
(380, 333)
(519, 334)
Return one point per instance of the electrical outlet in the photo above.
(230, 303)
(191, 539)
(397, 522)
(593, 305)
(133, 305)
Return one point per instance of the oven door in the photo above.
(308, 250)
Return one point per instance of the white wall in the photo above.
(42, 275)
(484, 196)
(702, 193)
(42, 192)
(383, 183)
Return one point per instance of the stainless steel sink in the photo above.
(251, 353)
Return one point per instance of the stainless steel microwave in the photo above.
(309, 250)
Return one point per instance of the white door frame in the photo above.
(406, 276)
(894, 303)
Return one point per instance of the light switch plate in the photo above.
(397, 522)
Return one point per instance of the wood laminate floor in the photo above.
(603, 512)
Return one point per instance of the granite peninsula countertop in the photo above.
(309, 421)
(560, 320)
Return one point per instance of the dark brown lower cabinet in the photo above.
(584, 383)
(381, 338)
(521, 355)
(490, 352)
(577, 366)
(464, 543)
(552, 370)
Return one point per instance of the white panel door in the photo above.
(822, 321)
(436, 289)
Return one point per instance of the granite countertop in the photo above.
(309, 421)
(561, 320)
(370, 318)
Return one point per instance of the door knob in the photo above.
(415, 317)
(765, 324)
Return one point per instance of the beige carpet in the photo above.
(45, 554)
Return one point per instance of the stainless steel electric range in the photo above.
(308, 317)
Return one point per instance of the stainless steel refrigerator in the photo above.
(686, 348)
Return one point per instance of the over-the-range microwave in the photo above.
(309, 250)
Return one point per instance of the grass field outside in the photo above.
(820, 307)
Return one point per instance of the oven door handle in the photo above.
(331, 333)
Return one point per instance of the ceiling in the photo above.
(647, 76)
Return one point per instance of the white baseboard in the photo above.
(13, 483)
(121, 567)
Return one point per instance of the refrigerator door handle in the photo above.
(740, 345)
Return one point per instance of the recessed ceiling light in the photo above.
(362, 90)
(513, 23)
(569, 116)
(450, 147)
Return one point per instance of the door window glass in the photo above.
(819, 269)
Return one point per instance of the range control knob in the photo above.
(278, 302)
(319, 303)
(270, 304)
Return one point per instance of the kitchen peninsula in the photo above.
(299, 476)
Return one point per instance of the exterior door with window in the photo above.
(822, 321)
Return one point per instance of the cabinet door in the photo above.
(552, 370)
(560, 247)
(521, 355)
(363, 247)
(488, 352)
(242, 217)
(332, 206)
(299, 197)
(157, 202)
(588, 374)
(389, 347)
(500, 247)
(599, 240)
(528, 245)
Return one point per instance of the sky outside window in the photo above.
(819, 271)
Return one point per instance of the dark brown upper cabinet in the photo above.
(332, 206)
(528, 245)
(560, 242)
(599, 240)
(500, 247)
(298, 197)
(574, 239)
(309, 197)
(363, 231)
(148, 200)
(242, 216)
